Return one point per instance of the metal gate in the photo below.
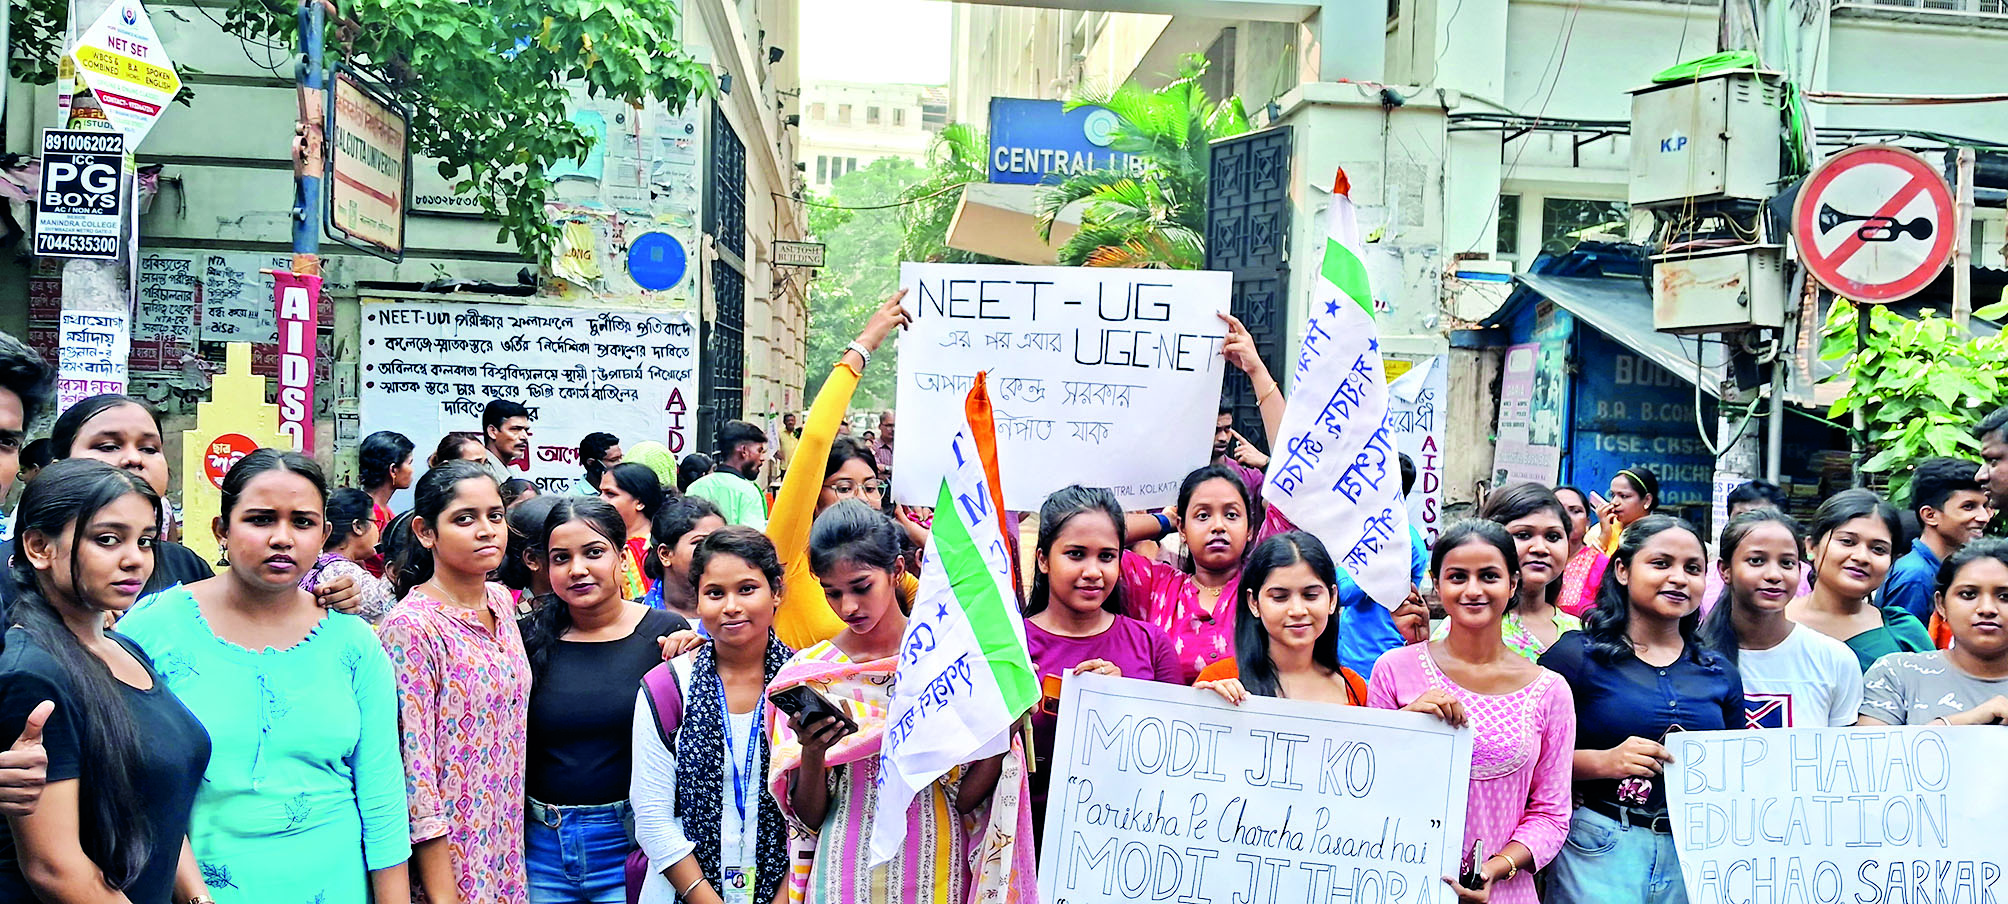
(721, 385)
(1248, 235)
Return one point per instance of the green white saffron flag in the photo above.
(964, 674)
(1334, 469)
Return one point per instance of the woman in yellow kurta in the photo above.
(805, 618)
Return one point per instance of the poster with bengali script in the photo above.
(237, 296)
(94, 347)
(429, 367)
(1416, 420)
(168, 299)
(1163, 793)
(1902, 815)
(1100, 376)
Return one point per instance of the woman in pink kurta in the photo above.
(1523, 716)
(1195, 605)
(463, 693)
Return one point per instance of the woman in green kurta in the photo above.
(303, 800)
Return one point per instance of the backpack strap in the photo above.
(664, 689)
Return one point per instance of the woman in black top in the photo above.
(125, 757)
(588, 649)
(1639, 672)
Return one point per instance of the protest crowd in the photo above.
(664, 685)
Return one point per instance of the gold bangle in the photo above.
(1512, 867)
(1263, 396)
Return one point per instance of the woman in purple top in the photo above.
(1075, 614)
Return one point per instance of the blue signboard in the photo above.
(1630, 412)
(1031, 140)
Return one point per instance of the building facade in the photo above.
(225, 194)
(847, 125)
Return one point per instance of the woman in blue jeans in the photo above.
(1639, 673)
(588, 651)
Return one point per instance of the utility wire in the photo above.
(907, 202)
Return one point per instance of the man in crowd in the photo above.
(883, 451)
(1993, 435)
(506, 426)
(1952, 510)
(742, 450)
(597, 452)
(26, 386)
(791, 436)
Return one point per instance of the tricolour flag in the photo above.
(965, 674)
(1333, 469)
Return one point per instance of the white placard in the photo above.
(169, 290)
(94, 348)
(1103, 377)
(1826, 815)
(1164, 793)
(1416, 418)
(429, 367)
(237, 297)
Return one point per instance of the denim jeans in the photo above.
(1604, 860)
(577, 855)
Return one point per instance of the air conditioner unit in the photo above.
(1713, 138)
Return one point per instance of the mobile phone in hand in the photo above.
(1471, 878)
(804, 703)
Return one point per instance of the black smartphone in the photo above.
(802, 702)
(1471, 878)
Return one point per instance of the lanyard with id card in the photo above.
(738, 881)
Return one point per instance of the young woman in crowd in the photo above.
(1793, 676)
(352, 541)
(1854, 541)
(703, 815)
(677, 528)
(806, 617)
(123, 432)
(304, 793)
(517, 490)
(1538, 523)
(636, 493)
(1074, 618)
(1194, 604)
(1522, 716)
(586, 649)
(1966, 683)
(1639, 672)
(384, 466)
(124, 756)
(522, 568)
(1578, 506)
(1286, 630)
(464, 692)
(459, 446)
(823, 774)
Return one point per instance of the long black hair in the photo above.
(550, 621)
(1606, 628)
(1481, 532)
(639, 481)
(115, 830)
(1846, 506)
(430, 496)
(1251, 639)
(693, 466)
(677, 517)
(349, 510)
(380, 455)
(526, 521)
(1198, 478)
(1060, 508)
(64, 435)
(852, 531)
(1718, 630)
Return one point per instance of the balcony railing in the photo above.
(1989, 12)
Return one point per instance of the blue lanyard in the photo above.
(752, 746)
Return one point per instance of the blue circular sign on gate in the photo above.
(656, 261)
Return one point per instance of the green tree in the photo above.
(488, 83)
(957, 158)
(861, 269)
(1158, 218)
(1920, 385)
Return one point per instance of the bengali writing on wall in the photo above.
(1170, 794)
(1828, 815)
(428, 368)
(1087, 368)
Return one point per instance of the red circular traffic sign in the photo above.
(1874, 223)
(224, 451)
